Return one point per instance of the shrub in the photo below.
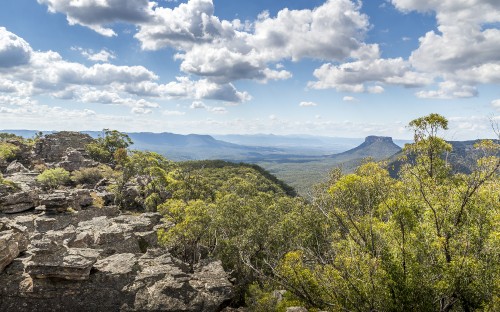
(97, 201)
(53, 178)
(8, 151)
(87, 176)
(103, 149)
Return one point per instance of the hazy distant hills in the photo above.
(303, 172)
(300, 161)
(462, 158)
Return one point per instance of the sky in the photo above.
(337, 68)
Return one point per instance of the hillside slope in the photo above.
(302, 173)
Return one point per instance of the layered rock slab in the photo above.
(100, 260)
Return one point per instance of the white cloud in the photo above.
(353, 76)
(203, 89)
(96, 14)
(201, 105)
(307, 104)
(464, 51)
(496, 104)
(16, 100)
(331, 31)
(198, 105)
(376, 89)
(101, 56)
(182, 27)
(221, 51)
(349, 99)
(173, 113)
(14, 51)
(449, 90)
(218, 110)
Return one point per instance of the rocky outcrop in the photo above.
(15, 167)
(14, 202)
(74, 160)
(13, 241)
(101, 260)
(373, 139)
(60, 201)
(53, 147)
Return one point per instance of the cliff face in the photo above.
(60, 252)
(380, 139)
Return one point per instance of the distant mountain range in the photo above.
(462, 158)
(299, 160)
(250, 148)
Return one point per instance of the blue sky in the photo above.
(333, 68)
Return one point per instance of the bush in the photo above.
(53, 178)
(103, 149)
(8, 151)
(87, 176)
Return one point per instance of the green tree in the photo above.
(151, 172)
(425, 242)
(108, 147)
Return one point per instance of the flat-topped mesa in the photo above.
(373, 139)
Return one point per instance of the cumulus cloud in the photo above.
(464, 50)
(353, 76)
(182, 27)
(198, 105)
(349, 99)
(331, 31)
(307, 104)
(101, 56)
(449, 90)
(96, 14)
(201, 105)
(14, 51)
(47, 73)
(225, 51)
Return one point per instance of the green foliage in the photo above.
(53, 178)
(104, 148)
(9, 136)
(151, 172)
(425, 242)
(234, 213)
(8, 151)
(87, 176)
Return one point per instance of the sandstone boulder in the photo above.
(15, 167)
(53, 147)
(14, 202)
(86, 263)
(74, 160)
(13, 241)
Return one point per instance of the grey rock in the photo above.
(100, 260)
(15, 167)
(74, 160)
(60, 200)
(13, 241)
(26, 181)
(52, 148)
(51, 260)
(18, 201)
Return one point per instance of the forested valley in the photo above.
(427, 239)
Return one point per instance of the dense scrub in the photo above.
(426, 240)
